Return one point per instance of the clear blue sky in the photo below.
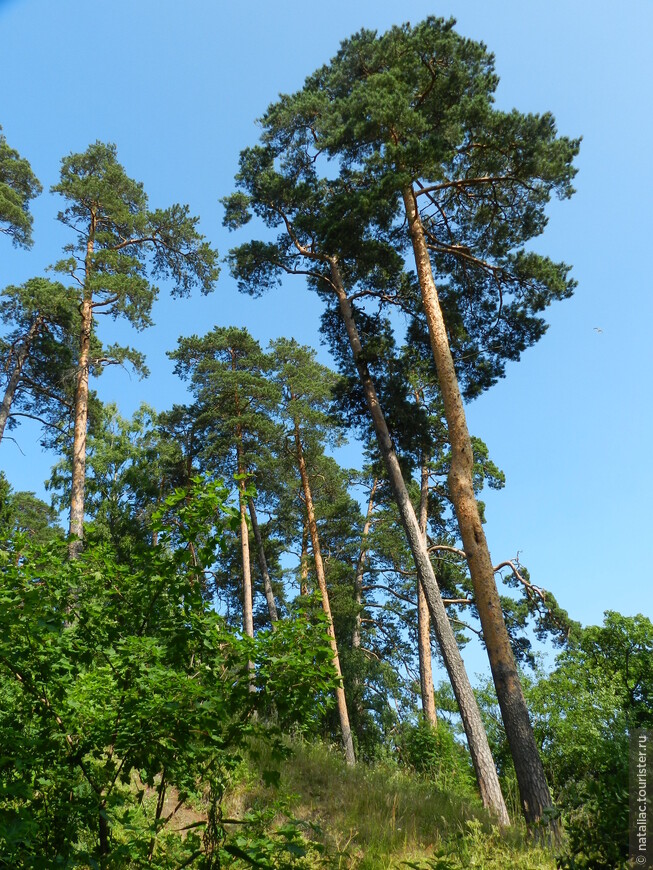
(178, 86)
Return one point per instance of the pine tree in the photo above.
(120, 246)
(234, 404)
(23, 513)
(409, 117)
(18, 185)
(310, 213)
(306, 387)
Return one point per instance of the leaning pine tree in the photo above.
(409, 117)
(120, 247)
(310, 213)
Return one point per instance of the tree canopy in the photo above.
(18, 186)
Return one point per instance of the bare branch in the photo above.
(387, 589)
(434, 548)
(11, 438)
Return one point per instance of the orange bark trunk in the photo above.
(533, 788)
(341, 700)
(76, 526)
(479, 747)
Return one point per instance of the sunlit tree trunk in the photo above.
(341, 700)
(248, 614)
(533, 788)
(481, 754)
(303, 564)
(76, 527)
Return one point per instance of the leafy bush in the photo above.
(583, 712)
(434, 752)
(121, 689)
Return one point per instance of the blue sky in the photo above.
(178, 86)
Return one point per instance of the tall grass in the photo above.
(383, 817)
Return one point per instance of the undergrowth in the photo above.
(366, 817)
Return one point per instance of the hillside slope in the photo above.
(375, 817)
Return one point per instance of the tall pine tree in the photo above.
(409, 116)
(120, 247)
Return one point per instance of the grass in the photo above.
(381, 817)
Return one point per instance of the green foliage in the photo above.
(293, 664)
(38, 353)
(18, 185)
(109, 211)
(473, 845)
(24, 516)
(119, 683)
(231, 429)
(234, 398)
(411, 111)
(434, 752)
(125, 464)
(37, 298)
(267, 844)
(126, 701)
(600, 690)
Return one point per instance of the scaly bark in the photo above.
(486, 774)
(303, 581)
(21, 356)
(76, 526)
(423, 619)
(263, 565)
(360, 568)
(533, 789)
(341, 700)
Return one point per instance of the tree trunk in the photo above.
(486, 774)
(423, 620)
(303, 581)
(360, 568)
(248, 613)
(321, 580)
(76, 526)
(103, 829)
(533, 788)
(14, 380)
(263, 565)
